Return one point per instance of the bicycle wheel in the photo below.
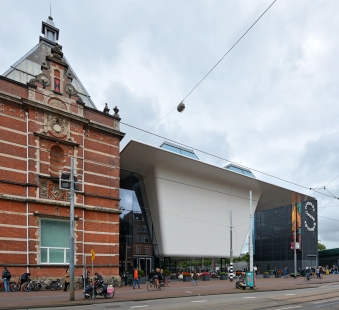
(2, 287)
(109, 295)
(130, 282)
(16, 286)
(150, 286)
(120, 284)
(25, 287)
(43, 286)
(76, 285)
(53, 286)
(37, 287)
(169, 283)
(161, 287)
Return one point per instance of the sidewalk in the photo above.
(17, 300)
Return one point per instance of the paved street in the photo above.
(267, 292)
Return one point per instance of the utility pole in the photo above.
(231, 249)
(250, 234)
(71, 245)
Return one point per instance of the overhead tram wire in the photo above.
(206, 153)
(215, 64)
(218, 157)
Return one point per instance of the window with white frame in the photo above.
(54, 241)
(143, 228)
(147, 250)
(138, 228)
(138, 238)
(137, 249)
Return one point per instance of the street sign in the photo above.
(93, 254)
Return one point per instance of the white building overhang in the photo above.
(190, 201)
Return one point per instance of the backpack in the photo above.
(8, 276)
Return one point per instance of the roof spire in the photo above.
(48, 28)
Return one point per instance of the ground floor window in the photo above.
(54, 241)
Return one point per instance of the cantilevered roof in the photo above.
(140, 157)
(28, 66)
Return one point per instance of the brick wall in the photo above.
(29, 190)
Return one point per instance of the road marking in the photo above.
(289, 294)
(188, 292)
(320, 302)
(139, 306)
(199, 300)
(249, 297)
(289, 308)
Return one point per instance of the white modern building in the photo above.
(186, 203)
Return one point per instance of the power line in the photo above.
(218, 157)
(209, 154)
(216, 63)
(328, 218)
(332, 180)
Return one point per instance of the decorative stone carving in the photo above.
(69, 76)
(106, 109)
(58, 125)
(70, 89)
(116, 111)
(41, 78)
(45, 66)
(56, 52)
(51, 190)
(57, 103)
(43, 189)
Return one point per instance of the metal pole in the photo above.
(250, 234)
(231, 249)
(71, 246)
(295, 239)
(126, 255)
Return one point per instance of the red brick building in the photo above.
(47, 117)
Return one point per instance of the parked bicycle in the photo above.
(31, 286)
(55, 285)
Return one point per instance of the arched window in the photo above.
(57, 160)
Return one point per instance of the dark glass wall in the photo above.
(274, 236)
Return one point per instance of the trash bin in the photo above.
(303, 273)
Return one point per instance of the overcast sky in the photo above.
(271, 104)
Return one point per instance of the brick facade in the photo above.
(43, 124)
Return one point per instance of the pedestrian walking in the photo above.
(195, 277)
(275, 272)
(285, 272)
(6, 277)
(136, 278)
(67, 279)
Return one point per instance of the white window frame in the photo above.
(49, 248)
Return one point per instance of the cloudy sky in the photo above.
(271, 104)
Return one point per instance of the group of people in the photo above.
(6, 277)
(285, 272)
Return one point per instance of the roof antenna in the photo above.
(50, 12)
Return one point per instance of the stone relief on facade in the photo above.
(51, 190)
(57, 104)
(41, 78)
(57, 124)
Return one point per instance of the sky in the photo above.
(271, 104)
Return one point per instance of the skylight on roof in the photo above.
(179, 150)
(240, 170)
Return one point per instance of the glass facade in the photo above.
(274, 236)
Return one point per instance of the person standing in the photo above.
(275, 272)
(66, 280)
(6, 276)
(285, 272)
(136, 278)
(195, 277)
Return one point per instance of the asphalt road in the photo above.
(324, 296)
